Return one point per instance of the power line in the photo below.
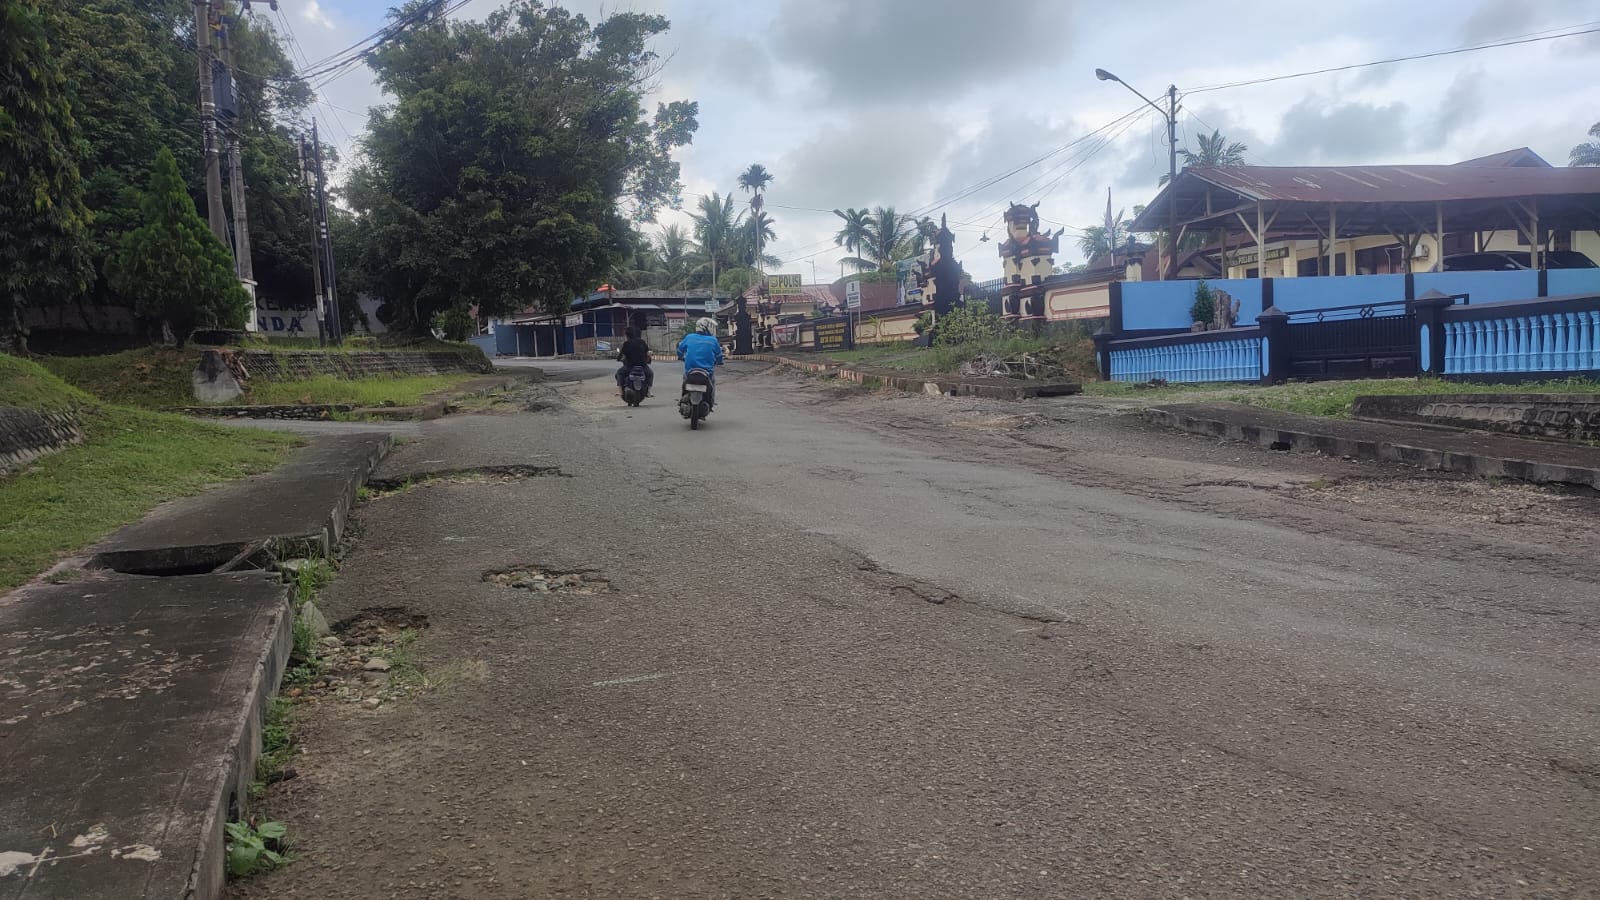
(1509, 42)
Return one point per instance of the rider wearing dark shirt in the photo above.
(635, 352)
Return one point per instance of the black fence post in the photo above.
(1429, 313)
(1116, 307)
(1266, 294)
(1102, 350)
(1274, 324)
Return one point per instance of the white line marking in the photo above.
(635, 679)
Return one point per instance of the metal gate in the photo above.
(1373, 340)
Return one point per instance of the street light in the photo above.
(1171, 115)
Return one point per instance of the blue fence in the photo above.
(1164, 305)
(1481, 287)
(1301, 294)
(1563, 282)
(1232, 355)
(1555, 336)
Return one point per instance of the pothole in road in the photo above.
(367, 658)
(378, 488)
(537, 580)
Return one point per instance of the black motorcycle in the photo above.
(695, 404)
(634, 388)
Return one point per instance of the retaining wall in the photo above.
(1573, 417)
(224, 373)
(27, 434)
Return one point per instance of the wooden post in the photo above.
(1333, 239)
(1261, 241)
(1438, 236)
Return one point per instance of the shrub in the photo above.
(1205, 305)
(454, 323)
(969, 325)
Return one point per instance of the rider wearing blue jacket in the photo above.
(702, 350)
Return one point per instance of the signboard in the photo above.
(602, 346)
(713, 304)
(1248, 258)
(574, 321)
(783, 285)
(852, 295)
(786, 335)
(274, 320)
(832, 334)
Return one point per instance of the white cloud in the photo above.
(313, 13)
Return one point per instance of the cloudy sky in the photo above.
(912, 103)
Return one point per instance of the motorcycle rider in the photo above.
(702, 350)
(635, 352)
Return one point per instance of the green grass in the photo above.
(1074, 354)
(404, 391)
(149, 378)
(1325, 398)
(130, 461)
(24, 384)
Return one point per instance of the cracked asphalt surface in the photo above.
(870, 645)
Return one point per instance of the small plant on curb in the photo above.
(253, 849)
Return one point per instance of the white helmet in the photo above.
(706, 325)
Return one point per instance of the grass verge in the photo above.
(1074, 354)
(150, 377)
(1324, 398)
(130, 461)
(404, 391)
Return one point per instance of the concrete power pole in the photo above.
(330, 280)
(243, 265)
(215, 214)
(316, 254)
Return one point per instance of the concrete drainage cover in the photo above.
(548, 581)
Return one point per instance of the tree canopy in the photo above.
(43, 229)
(513, 152)
(178, 270)
(1588, 152)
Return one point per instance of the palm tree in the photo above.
(1215, 152)
(755, 179)
(1096, 241)
(716, 227)
(886, 231)
(1588, 152)
(670, 262)
(754, 233)
(853, 236)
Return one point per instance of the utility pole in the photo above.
(215, 214)
(1171, 115)
(1172, 179)
(244, 267)
(316, 255)
(331, 281)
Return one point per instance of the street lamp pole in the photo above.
(1171, 115)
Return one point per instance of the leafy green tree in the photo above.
(174, 267)
(1588, 152)
(1096, 241)
(747, 243)
(511, 155)
(43, 222)
(886, 231)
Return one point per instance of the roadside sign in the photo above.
(783, 285)
(712, 305)
(852, 295)
(602, 346)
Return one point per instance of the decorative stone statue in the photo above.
(943, 279)
(1029, 258)
(1225, 310)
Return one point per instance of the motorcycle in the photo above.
(633, 386)
(695, 404)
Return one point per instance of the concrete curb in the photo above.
(937, 385)
(1466, 463)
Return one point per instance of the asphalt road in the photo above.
(914, 647)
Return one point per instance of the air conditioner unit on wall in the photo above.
(1421, 252)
